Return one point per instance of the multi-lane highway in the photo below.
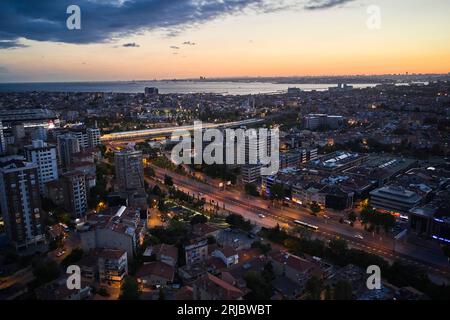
(251, 208)
(142, 134)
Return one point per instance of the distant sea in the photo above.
(182, 87)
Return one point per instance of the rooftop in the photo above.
(157, 268)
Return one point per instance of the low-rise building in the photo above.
(112, 267)
(58, 290)
(115, 228)
(227, 254)
(155, 274)
(433, 219)
(163, 252)
(296, 269)
(394, 199)
(196, 250)
(210, 287)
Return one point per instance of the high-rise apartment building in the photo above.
(20, 202)
(39, 133)
(256, 145)
(93, 135)
(44, 156)
(18, 131)
(2, 140)
(67, 145)
(75, 193)
(129, 170)
(82, 136)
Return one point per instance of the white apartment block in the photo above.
(45, 157)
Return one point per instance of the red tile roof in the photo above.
(159, 269)
(219, 288)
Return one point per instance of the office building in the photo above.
(322, 121)
(20, 202)
(337, 161)
(44, 156)
(432, 220)
(251, 173)
(394, 199)
(129, 170)
(295, 158)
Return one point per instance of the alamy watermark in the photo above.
(229, 146)
(73, 22)
(373, 21)
(73, 281)
(374, 280)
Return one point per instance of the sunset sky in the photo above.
(125, 40)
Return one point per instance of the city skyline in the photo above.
(124, 40)
(269, 152)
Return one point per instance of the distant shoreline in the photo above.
(276, 80)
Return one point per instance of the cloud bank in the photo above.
(104, 20)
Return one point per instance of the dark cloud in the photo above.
(104, 20)
(45, 20)
(3, 69)
(11, 44)
(189, 43)
(174, 47)
(323, 4)
(131, 45)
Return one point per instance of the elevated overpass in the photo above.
(158, 132)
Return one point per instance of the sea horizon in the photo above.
(171, 86)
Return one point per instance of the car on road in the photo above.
(262, 216)
(359, 236)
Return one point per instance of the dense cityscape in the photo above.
(87, 179)
(202, 159)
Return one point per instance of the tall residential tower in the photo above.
(20, 201)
